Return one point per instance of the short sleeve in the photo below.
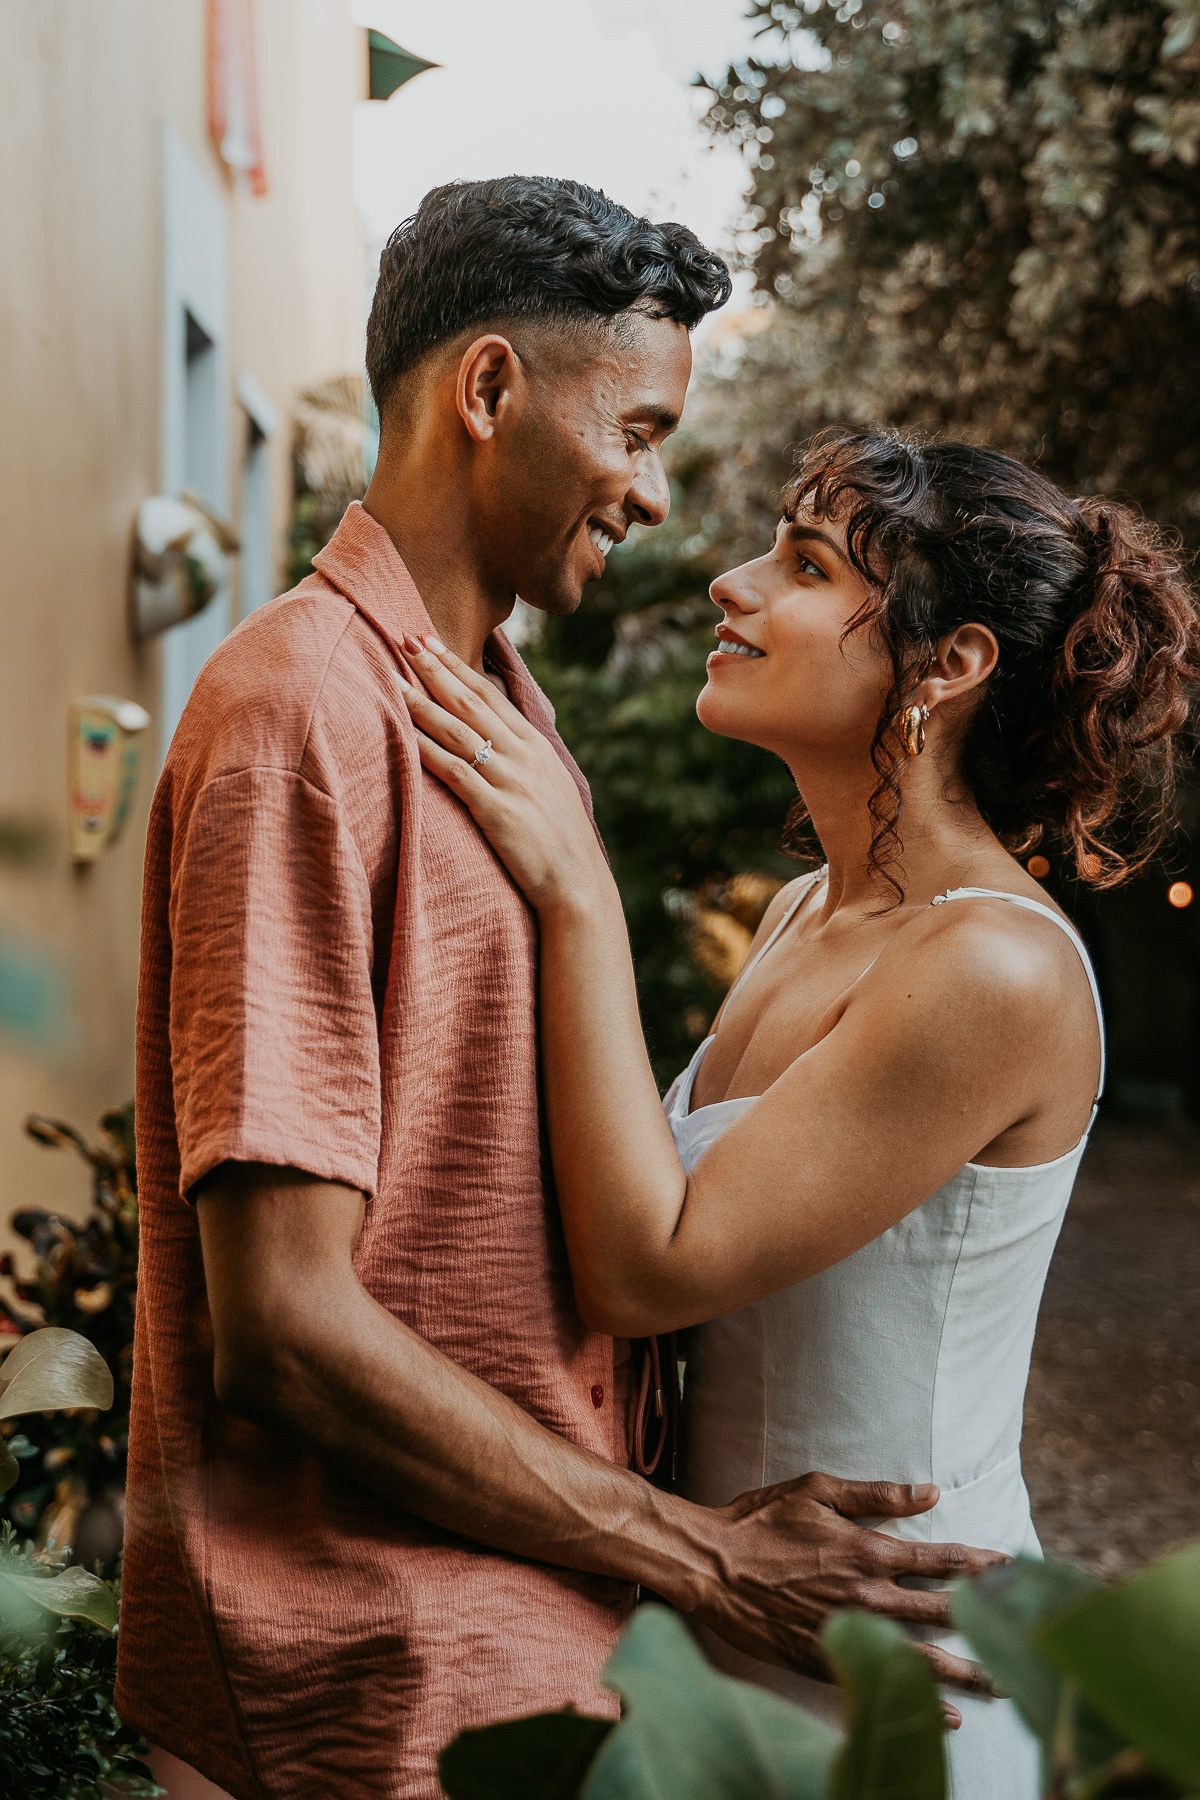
(274, 1041)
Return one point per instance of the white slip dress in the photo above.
(907, 1362)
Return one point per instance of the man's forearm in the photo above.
(360, 1388)
(438, 1442)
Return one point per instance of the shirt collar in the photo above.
(363, 563)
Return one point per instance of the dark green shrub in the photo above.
(60, 1736)
(72, 1464)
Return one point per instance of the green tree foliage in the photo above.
(981, 217)
(977, 218)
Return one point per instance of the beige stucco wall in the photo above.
(83, 93)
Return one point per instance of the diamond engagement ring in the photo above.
(483, 754)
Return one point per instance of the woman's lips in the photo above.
(734, 647)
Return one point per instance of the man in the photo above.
(378, 1484)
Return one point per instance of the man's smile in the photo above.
(602, 538)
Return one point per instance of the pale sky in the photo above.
(595, 89)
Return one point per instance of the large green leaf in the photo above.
(691, 1733)
(1134, 1651)
(895, 1748)
(51, 1369)
(998, 1614)
(74, 1594)
(10, 1468)
(543, 1757)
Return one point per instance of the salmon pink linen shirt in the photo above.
(339, 975)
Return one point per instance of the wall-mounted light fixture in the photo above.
(103, 757)
(179, 561)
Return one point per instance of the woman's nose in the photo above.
(736, 588)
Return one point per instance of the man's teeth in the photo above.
(601, 539)
(730, 648)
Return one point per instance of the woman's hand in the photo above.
(519, 792)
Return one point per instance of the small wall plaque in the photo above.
(103, 757)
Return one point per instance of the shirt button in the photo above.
(598, 1394)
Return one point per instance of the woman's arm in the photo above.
(941, 1049)
(929, 1062)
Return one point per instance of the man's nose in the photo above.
(649, 498)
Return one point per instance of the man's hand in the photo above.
(793, 1555)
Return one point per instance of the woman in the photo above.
(854, 1190)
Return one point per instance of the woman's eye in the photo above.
(808, 567)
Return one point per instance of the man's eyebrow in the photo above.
(663, 417)
(805, 534)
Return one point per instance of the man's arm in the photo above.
(301, 1346)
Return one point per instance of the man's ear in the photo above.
(487, 374)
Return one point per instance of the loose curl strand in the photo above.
(1076, 739)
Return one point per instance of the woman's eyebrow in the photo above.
(807, 534)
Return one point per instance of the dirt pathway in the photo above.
(1112, 1419)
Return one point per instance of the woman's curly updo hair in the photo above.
(1075, 737)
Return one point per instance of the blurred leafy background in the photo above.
(975, 218)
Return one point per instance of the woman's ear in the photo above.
(963, 661)
(486, 375)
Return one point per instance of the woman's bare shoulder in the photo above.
(991, 957)
(788, 894)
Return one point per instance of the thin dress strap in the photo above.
(1048, 912)
(805, 891)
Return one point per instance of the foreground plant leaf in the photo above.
(73, 1594)
(691, 1733)
(51, 1369)
(1134, 1651)
(895, 1748)
(998, 1614)
(543, 1757)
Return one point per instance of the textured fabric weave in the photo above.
(338, 975)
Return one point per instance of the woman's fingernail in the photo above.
(413, 645)
(435, 644)
(403, 680)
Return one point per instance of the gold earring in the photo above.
(912, 728)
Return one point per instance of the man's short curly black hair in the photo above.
(527, 247)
